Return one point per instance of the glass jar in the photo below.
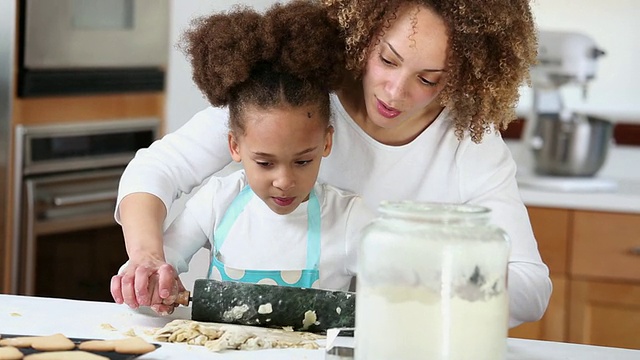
(432, 284)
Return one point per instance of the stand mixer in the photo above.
(568, 147)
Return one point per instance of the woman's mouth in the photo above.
(283, 201)
(386, 110)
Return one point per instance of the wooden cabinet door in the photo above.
(552, 326)
(551, 228)
(605, 313)
(606, 246)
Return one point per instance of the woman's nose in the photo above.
(397, 87)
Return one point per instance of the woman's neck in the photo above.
(352, 100)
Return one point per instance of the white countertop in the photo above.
(84, 319)
(622, 168)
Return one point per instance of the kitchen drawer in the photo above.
(606, 245)
(605, 313)
(551, 229)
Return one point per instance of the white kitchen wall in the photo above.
(183, 97)
(614, 26)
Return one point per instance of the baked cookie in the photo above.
(133, 345)
(65, 355)
(97, 345)
(19, 341)
(10, 353)
(55, 342)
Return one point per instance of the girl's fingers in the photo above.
(116, 289)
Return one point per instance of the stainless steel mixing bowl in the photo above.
(576, 146)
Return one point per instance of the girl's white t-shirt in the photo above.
(260, 239)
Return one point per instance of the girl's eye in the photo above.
(427, 82)
(303, 162)
(263, 163)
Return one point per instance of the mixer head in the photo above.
(564, 58)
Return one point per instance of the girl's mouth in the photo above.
(286, 201)
(385, 110)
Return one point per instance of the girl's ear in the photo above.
(234, 148)
(328, 142)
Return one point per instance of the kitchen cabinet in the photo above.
(605, 313)
(594, 261)
(551, 228)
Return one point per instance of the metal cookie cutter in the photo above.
(338, 352)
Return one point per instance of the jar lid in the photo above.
(441, 212)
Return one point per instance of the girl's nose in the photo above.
(285, 179)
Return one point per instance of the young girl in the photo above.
(430, 83)
(271, 222)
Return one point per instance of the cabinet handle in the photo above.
(635, 250)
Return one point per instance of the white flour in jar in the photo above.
(413, 323)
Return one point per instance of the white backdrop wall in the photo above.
(183, 97)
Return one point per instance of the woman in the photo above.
(429, 83)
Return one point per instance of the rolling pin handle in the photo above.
(183, 298)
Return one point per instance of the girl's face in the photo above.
(405, 70)
(281, 151)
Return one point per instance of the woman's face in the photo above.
(405, 70)
(281, 151)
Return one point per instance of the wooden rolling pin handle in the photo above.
(184, 297)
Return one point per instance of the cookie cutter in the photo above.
(338, 352)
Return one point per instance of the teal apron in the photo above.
(306, 278)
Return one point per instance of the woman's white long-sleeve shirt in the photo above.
(436, 166)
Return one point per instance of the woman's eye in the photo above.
(385, 61)
(427, 82)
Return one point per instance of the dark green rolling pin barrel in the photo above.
(303, 309)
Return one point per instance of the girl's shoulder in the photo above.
(335, 199)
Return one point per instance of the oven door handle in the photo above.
(85, 198)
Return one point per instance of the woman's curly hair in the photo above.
(492, 44)
(291, 54)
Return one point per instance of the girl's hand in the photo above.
(164, 305)
(146, 283)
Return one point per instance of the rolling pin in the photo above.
(302, 309)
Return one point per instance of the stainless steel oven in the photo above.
(69, 245)
(92, 46)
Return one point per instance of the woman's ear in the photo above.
(234, 147)
(328, 142)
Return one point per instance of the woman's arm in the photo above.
(489, 170)
(180, 161)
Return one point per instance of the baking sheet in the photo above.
(110, 354)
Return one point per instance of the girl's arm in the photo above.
(142, 218)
